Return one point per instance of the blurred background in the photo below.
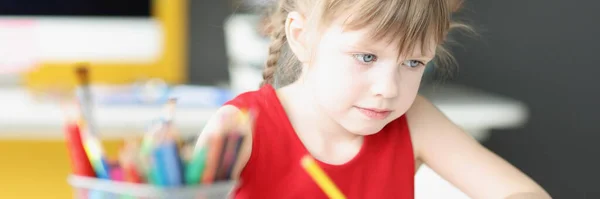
(525, 88)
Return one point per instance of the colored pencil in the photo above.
(80, 162)
(168, 164)
(228, 156)
(128, 161)
(95, 153)
(236, 156)
(195, 168)
(219, 172)
(214, 152)
(117, 174)
(319, 176)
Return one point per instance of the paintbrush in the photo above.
(84, 96)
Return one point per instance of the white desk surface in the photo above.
(23, 118)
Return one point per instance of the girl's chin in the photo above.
(363, 128)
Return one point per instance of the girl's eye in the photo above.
(413, 63)
(366, 58)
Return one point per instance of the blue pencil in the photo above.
(157, 169)
(168, 164)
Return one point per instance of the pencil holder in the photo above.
(95, 188)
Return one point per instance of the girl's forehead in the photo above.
(339, 34)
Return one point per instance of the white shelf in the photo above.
(81, 39)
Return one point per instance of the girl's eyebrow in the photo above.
(362, 43)
(417, 55)
(366, 44)
(368, 48)
(421, 58)
(374, 47)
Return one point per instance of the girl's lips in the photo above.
(373, 113)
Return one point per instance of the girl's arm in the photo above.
(223, 122)
(461, 160)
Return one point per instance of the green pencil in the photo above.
(195, 168)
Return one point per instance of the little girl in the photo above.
(347, 74)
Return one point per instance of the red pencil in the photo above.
(79, 161)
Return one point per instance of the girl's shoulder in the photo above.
(253, 99)
(423, 115)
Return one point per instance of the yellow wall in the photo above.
(170, 66)
(38, 169)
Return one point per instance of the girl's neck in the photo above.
(321, 135)
(300, 106)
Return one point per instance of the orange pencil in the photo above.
(127, 160)
(212, 161)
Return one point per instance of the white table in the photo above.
(476, 111)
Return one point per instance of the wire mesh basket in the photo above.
(95, 188)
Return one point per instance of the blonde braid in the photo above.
(278, 40)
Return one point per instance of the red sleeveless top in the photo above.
(383, 168)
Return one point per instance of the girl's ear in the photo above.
(295, 30)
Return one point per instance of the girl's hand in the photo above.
(227, 120)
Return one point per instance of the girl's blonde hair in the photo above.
(407, 22)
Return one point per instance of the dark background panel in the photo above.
(76, 7)
(544, 53)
